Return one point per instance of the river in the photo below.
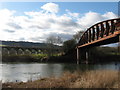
(16, 72)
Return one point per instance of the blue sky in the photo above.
(79, 7)
(35, 21)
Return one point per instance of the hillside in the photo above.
(25, 44)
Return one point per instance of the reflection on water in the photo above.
(33, 71)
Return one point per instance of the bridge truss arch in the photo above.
(96, 34)
(102, 33)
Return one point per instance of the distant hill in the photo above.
(25, 44)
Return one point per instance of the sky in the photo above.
(36, 21)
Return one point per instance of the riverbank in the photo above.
(56, 58)
(40, 58)
(88, 79)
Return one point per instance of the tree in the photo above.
(51, 41)
(59, 41)
(54, 40)
(78, 35)
(69, 46)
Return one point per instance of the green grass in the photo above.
(35, 56)
(39, 56)
(115, 53)
(2, 45)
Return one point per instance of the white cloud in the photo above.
(6, 13)
(91, 18)
(5, 16)
(109, 15)
(51, 7)
(37, 26)
(74, 15)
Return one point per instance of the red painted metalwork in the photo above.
(100, 31)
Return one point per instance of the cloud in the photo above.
(5, 16)
(6, 13)
(90, 18)
(14, 25)
(22, 38)
(74, 15)
(64, 36)
(37, 39)
(109, 15)
(9, 31)
(36, 26)
(51, 7)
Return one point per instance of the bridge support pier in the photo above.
(16, 51)
(119, 45)
(86, 57)
(8, 51)
(78, 55)
(82, 55)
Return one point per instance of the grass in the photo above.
(2, 45)
(88, 79)
(42, 57)
(115, 53)
(39, 56)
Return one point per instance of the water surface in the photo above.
(31, 71)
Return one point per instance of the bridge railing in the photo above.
(99, 30)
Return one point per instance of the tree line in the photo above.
(67, 46)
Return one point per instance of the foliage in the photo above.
(69, 45)
(2, 45)
(39, 56)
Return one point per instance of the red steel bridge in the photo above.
(105, 32)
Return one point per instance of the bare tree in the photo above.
(78, 35)
(59, 40)
(54, 40)
(51, 41)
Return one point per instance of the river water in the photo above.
(16, 72)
